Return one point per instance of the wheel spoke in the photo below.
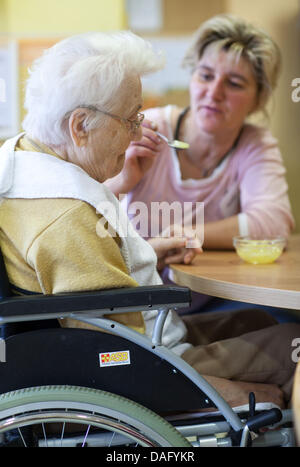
(45, 436)
(111, 439)
(86, 435)
(21, 436)
(62, 433)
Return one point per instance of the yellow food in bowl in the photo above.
(259, 251)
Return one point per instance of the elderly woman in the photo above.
(83, 100)
(233, 167)
(63, 230)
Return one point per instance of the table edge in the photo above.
(278, 298)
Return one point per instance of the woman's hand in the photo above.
(139, 158)
(175, 248)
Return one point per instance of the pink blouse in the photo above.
(250, 182)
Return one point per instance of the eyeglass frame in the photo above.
(134, 124)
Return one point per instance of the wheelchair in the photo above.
(112, 387)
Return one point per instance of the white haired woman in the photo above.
(62, 229)
(83, 101)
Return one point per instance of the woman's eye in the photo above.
(235, 84)
(205, 76)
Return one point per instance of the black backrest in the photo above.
(4, 282)
(10, 329)
(5, 291)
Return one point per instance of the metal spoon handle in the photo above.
(163, 137)
(175, 143)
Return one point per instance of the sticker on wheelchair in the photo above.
(114, 358)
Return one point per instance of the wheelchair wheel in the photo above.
(68, 416)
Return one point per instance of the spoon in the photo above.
(174, 143)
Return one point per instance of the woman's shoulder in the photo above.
(60, 217)
(257, 135)
(256, 145)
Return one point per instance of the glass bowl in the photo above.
(259, 251)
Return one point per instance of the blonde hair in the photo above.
(235, 35)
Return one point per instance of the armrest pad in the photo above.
(113, 300)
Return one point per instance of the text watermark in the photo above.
(156, 219)
(296, 352)
(296, 91)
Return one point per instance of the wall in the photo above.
(62, 17)
(38, 24)
(184, 16)
(180, 19)
(3, 16)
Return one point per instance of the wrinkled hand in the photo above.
(173, 248)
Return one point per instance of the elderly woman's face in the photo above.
(223, 91)
(104, 153)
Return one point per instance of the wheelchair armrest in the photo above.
(36, 307)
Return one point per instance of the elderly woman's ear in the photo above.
(76, 127)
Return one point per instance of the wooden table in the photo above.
(223, 274)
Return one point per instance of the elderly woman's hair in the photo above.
(83, 70)
(235, 35)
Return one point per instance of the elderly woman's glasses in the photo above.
(132, 125)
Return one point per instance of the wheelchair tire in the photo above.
(107, 419)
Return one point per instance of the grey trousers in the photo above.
(247, 345)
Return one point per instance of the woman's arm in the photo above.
(263, 187)
(264, 204)
(218, 235)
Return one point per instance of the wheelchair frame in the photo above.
(87, 306)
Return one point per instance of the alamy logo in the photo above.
(296, 91)
(295, 356)
(153, 220)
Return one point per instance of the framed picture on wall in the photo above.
(9, 95)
